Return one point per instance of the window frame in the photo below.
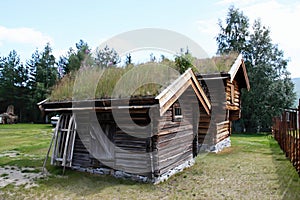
(177, 115)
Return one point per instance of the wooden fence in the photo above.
(286, 132)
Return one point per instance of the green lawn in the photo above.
(253, 168)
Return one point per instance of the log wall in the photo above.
(223, 131)
(176, 141)
(81, 156)
(225, 99)
(130, 145)
(216, 91)
(233, 100)
(156, 145)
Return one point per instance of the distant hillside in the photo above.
(296, 81)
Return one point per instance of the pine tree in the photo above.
(128, 59)
(43, 75)
(13, 84)
(46, 73)
(75, 59)
(106, 57)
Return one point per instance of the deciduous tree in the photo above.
(271, 86)
(183, 61)
(234, 34)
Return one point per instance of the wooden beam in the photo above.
(168, 96)
(99, 108)
(239, 64)
(235, 67)
(203, 95)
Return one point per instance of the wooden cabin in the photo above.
(147, 138)
(224, 93)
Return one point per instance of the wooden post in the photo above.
(288, 132)
(298, 140)
(294, 118)
(279, 131)
(284, 132)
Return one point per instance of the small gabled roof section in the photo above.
(169, 95)
(238, 72)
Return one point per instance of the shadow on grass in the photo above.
(188, 184)
(79, 184)
(287, 174)
(265, 144)
(82, 184)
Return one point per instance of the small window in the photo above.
(177, 113)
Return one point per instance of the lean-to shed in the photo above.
(143, 137)
(224, 93)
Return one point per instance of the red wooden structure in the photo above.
(286, 132)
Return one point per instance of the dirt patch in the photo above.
(10, 154)
(228, 150)
(19, 176)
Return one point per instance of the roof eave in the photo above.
(169, 95)
(239, 62)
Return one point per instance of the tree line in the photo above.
(24, 85)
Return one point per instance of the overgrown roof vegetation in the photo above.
(216, 64)
(114, 82)
(148, 79)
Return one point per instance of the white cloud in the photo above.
(232, 2)
(208, 26)
(208, 29)
(281, 18)
(60, 52)
(23, 36)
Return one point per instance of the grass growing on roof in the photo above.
(95, 83)
(216, 64)
(147, 79)
(63, 89)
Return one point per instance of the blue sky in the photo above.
(27, 25)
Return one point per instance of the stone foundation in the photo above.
(173, 171)
(134, 177)
(217, 147)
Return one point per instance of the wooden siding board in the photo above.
(165, 166)
(174, 142)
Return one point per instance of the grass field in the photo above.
(253, 168)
